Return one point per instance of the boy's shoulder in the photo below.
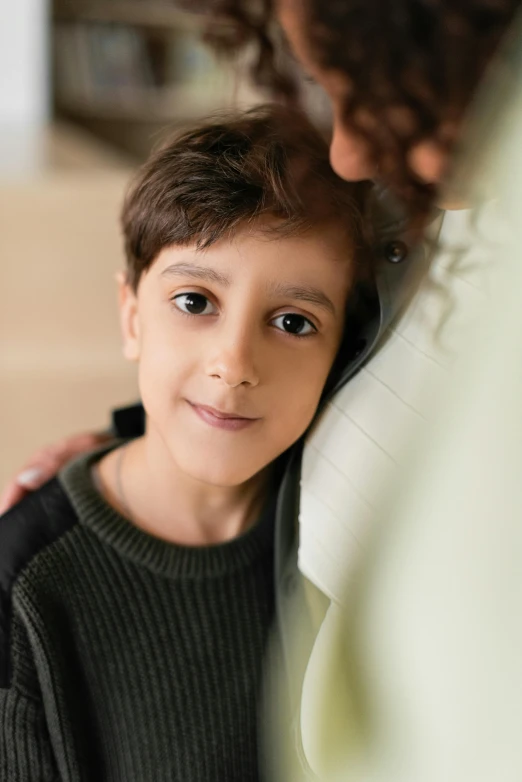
(32, 525)
(26, 530)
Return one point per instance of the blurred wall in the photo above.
(61, 368)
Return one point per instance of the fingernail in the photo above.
(31, 478)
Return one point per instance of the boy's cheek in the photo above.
(298, 419)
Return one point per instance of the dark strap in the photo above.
(129, 421)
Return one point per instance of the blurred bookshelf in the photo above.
(126, 70)
(141, 13)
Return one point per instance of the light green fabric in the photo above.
(416, 675)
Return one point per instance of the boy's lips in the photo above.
(221, 419)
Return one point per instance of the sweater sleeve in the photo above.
(25, 747)
(26, 753)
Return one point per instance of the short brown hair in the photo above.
(206, 183)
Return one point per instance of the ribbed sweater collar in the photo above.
(164, 558)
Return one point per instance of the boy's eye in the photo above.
(194, 304)
(292, 323)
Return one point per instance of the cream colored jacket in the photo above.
(411, 514)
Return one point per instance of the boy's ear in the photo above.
(129, 320)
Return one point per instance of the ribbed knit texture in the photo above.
(133, 658)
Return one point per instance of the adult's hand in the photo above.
(44, 465)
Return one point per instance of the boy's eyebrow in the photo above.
(303, 293)
(185, 269)
(281, 289)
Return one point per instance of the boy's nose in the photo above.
(232, 361)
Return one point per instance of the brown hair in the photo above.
(412, 67)
(206, 183)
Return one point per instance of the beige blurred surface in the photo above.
(61, 367)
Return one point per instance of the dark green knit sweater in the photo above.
(123, 657)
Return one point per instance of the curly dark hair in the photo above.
(412, 67)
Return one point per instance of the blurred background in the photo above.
(87, 88)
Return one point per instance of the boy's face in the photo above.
(235, 344)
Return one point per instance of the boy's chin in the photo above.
(220, 474)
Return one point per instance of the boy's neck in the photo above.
(145, 484)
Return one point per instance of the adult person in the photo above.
(400, 77)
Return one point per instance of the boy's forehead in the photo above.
(315, 249)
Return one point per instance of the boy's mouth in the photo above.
(221, 419)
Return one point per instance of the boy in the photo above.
(137, 588)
